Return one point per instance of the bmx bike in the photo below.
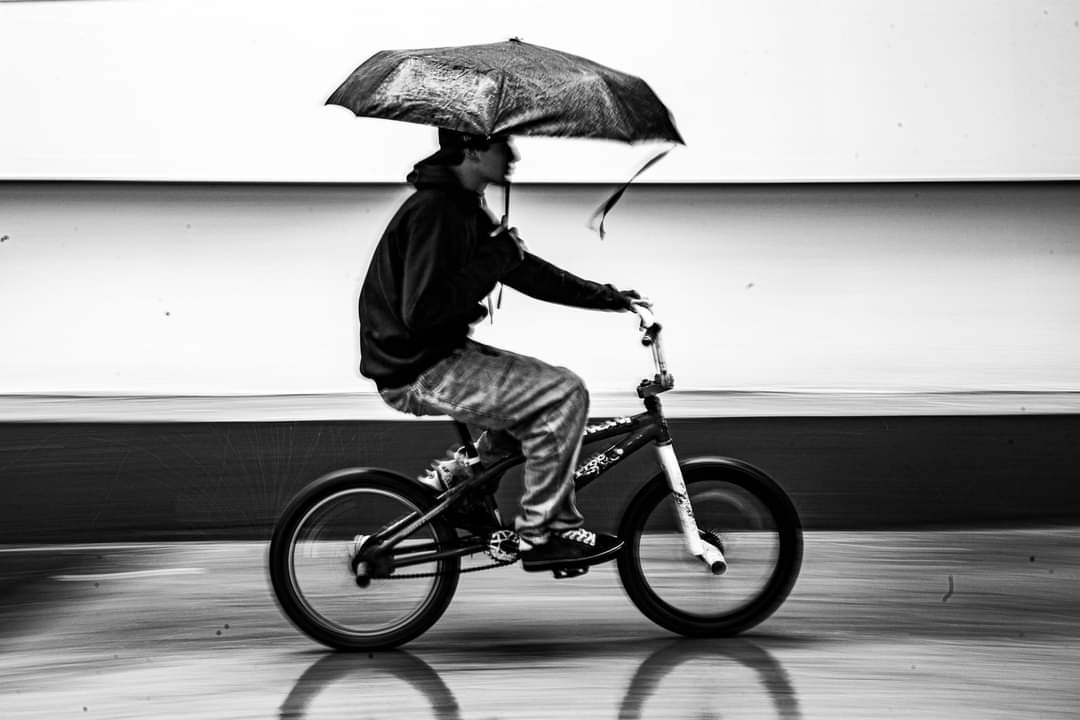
(366, 558)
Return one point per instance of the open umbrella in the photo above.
(509, 87)
(512, 88)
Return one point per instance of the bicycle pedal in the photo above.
(569, 572)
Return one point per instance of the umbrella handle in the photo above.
(506, 203)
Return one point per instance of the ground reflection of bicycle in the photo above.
(396, 666)
(647, 682)
(365, 558)
(681, 678)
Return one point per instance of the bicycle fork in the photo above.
(707, 553)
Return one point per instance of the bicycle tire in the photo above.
(751, 519)
(313, 580)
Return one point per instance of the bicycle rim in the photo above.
(326, 601)
(748, 519)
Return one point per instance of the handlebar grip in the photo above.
(651, 333)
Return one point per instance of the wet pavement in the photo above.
(952, 624)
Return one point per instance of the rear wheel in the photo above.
(739, 510)
(312, 574)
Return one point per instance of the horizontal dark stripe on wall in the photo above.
(101, 482)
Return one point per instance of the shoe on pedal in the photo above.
(444, 473)
(576, 548)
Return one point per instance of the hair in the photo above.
(454, 143)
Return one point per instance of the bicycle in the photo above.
(713, 545)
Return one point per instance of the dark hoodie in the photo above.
(433, 265)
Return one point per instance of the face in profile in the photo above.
(496, 164)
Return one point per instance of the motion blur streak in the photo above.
(881, 624)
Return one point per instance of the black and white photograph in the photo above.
(518, 359)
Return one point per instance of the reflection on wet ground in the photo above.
(353, 675)
(931, 624)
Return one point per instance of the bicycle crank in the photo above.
(502, 546)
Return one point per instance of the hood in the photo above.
(426, 175)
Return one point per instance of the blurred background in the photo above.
(874, 198)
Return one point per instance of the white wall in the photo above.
(173, 288)
(762, 91)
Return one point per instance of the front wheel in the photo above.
(312, 573)
(739, 510)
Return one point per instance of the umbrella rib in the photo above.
(627, 115)
(499, 93)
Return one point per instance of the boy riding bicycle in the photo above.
(440, 255)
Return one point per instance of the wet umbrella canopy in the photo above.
(511, 88)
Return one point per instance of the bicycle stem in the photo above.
(650, 338)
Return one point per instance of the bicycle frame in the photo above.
(634, 431)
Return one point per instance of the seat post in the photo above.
(466, 439)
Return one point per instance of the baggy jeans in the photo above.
(520, 402)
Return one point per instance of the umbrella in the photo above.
(511, 88)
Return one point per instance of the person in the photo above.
(441, 254)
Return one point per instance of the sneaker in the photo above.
(570, 548)
(444, 473)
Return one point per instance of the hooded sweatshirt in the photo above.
(434, 264)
